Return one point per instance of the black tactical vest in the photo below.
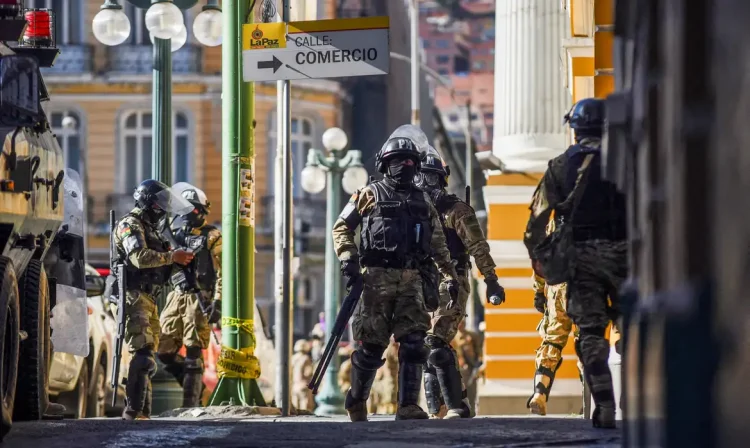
(200, 273)
(601, 213)
(397, 232)
(444, 203)
(148, 277)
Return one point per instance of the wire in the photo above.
(268, 11)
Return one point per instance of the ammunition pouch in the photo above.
(147, 280)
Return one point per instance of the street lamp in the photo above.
(168, 33)
(337, 168)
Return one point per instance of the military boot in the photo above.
(409, 385)
(604, 417)
(191, 389)
(435, 404)
(364, 369)
(135, 391)
(450, 386)
(538, 404)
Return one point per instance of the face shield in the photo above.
(172, 203)
(414, 133)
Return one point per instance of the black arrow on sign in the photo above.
(275, 64)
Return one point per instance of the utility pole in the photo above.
(238, 367)
(283, 318)
(469, 168)
(414, 25)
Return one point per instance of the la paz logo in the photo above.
(189, 195)
(258, 41)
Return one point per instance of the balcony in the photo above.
(139, 59)
(72, 60)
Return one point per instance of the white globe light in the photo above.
(163, 20)
(313, 179)
(354, 178)
(177, 41)
(69, 122)
(334, 139)
(111, 26)
(207, 27)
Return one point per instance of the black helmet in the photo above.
(398, 146)
(149, 197)
(434, 172)
(586, 115)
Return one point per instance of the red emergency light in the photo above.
(40, 29)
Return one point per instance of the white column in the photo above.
(530, 94)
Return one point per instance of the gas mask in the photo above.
(195, 219)
(154, 214)
(402, 170)
(429, 180)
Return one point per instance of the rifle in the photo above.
(182, 276)
(342, 319)
(118, 270)
(467, 195)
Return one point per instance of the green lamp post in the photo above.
(335, 168)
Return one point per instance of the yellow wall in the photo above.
(604, 81)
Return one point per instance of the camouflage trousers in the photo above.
(183, 322)
(445, 321)
(554, 328)
(302, 397)
(600, 269)
(141, 321)
(392, 304)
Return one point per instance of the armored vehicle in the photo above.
(41, 244)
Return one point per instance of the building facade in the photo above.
(108, 92)
(547, 56)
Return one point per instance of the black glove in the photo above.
(350, 270)
(453, 291)
(214, 312)
(540, 302)
(494, 292)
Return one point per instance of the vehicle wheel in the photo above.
(97, 399)
(33, 372)
(10, 346)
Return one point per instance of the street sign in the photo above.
(315, 49)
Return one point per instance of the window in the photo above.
(479, 65)
(68, 19)
(136, 144)
(443, 43)
(488, 115)
(474, 116)
(443, 59)
(443, 72)
(425, 43)
(68, 138)
(303, 136)
(453, 118)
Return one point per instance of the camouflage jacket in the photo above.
(140, 242)
(363, 200)
(460, 217)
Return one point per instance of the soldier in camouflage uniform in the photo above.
(195, 302)
(599, 235)
(554, 328)
(148, 262)
(302, 371)
(389, 380)
(465, 239)
(400, 229)
(468, 347)
(345, 368)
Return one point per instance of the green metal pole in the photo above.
(330, 400)
(238, 250)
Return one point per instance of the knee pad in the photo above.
(591, 347)
(194, 360)
(442, 357)
(143, 361)
(412, 348)
(170, 358)
(194, 352)
(369, 357)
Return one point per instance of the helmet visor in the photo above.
(172, 203)
(413, 133)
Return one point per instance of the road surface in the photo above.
(312, 432)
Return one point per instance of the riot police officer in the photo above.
(574, 188)
(400, 228)
(195, 302)
(465, 239)
(148, 262)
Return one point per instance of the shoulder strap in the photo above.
(577, 193)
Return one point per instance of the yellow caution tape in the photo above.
(237, 363)
(246, 325)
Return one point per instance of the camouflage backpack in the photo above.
(556, 253)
